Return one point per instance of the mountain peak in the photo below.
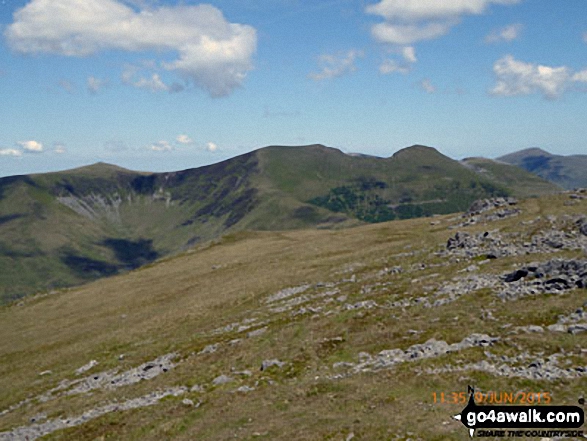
(416, 150)
(525, 153)
(98, 168)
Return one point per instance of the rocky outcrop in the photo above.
(553, 276)
(38, 430)
(483, 205)
(431, 348)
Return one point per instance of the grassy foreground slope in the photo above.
(324, 304)
(66, 228)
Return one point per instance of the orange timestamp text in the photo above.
(493, 397)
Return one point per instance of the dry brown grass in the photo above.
(174, 304)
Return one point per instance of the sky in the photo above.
(161, 85)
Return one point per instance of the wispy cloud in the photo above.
(519, 78)
(427, 86)
(184, 139)
(404, 65)
(154, 83)
(67, 85)
(508, 33)
(161, 146)
(212, 53)
(31, 146)
(336, 65)
(211, 147)
(10, 152)
(94, 84)
(59, 148)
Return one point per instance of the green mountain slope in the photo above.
(569, 172)
(65, 228)
(526, 184)
(416, 181)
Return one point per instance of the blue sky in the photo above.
(166, 85)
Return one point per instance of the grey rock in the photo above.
(38, 430)
(111, 380)
(245, 389)
(257, 332)
(86, 367)
(210, 349)
(557, 328)
(222, 379)
(287, 292)
(577, 328)
(266, 364)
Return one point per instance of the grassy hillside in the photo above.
(416, 181)
(65, 228)
(525, 183)
(565, 171)
(330, 308)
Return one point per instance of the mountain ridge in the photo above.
(64, 228)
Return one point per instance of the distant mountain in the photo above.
(65, 228)
(566, 171)
(526, 184)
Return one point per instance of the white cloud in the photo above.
(392, 66)
(184, 139)
(211, 147)
(427, 10)
(94, 84)
(161, 146)
(427, 86)
(581, 76)
(409, 21)
(409, 54)
(408, 33)
(10, 152)
(519, 78)
(212, 53)
(154, 84)
(59, 148)
(508, 33)
(336, 65)
(31, 146)
(402, 66)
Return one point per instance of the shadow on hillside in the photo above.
(132, 254)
